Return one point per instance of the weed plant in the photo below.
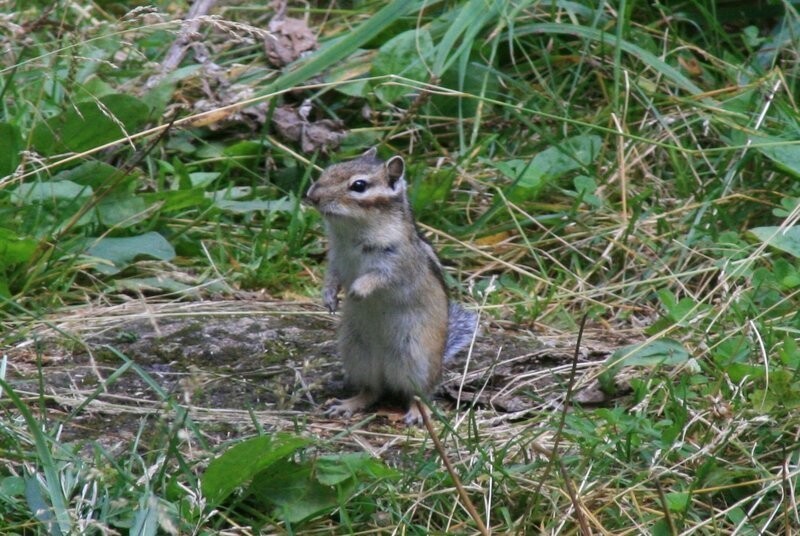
(636, 162)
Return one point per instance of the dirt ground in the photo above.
(235, 362)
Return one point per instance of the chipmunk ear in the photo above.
(371, 153)
(395, 170)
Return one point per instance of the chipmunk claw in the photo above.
(345, 408)
(413, 416)
(338, 409)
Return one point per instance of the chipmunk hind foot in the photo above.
(345, 408)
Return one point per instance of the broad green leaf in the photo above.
(120, 252)
(90, 173)
(551, 164)
(651, 354)
(677, 501)
(11, 143)
(787, 240)
(337, 468)
(408, 55)
(122, 211)
(90, 124)
(39, 506)
(15, 249)
(571, 154)
(36, 192)
(145, 521)
(739, 371)
(12, 486)
(237, 465)
(291, 489)
(785, 154)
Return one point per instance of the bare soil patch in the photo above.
(233, 362)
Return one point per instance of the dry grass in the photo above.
(113, 411)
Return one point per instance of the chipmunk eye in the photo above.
(359, 186)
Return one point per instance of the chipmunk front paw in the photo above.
(364, 286)
(330, 299)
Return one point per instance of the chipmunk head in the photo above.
(360, 188)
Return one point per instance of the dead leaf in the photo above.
(287, 123)
(691, 65)
(493, 240)
(288, 40)
(323, 135)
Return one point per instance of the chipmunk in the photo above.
(398, 324)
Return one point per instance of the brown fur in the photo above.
(394, 325)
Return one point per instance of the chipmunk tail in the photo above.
(462, 326)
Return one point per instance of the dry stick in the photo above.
(178, 48)
(450, 469)
(553, 454)
(663, 498)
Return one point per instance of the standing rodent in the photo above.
(397, 322)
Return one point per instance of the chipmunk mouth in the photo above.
(330, 210)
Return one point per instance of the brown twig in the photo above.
(553, 454)
(473, 512)
(667, 516)
(178, 48)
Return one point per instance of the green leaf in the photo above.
(739, 371)
(551, 164)
(122, 210)
(146, 520)
(36, 192)
(11, 142)
(338, 468)
(12, 486)
(407, 55)
(651, 354)
(237, 466)
(201, 179)
(15, 249)
(121, 252)
(677, 501)
(90, 173)
(39, 506)
(294, 493)
(786, 154)
(784, 239)
(90, 124)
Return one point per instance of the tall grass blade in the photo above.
(55, 494)
(599, 36)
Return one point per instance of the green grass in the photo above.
(633, 163)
